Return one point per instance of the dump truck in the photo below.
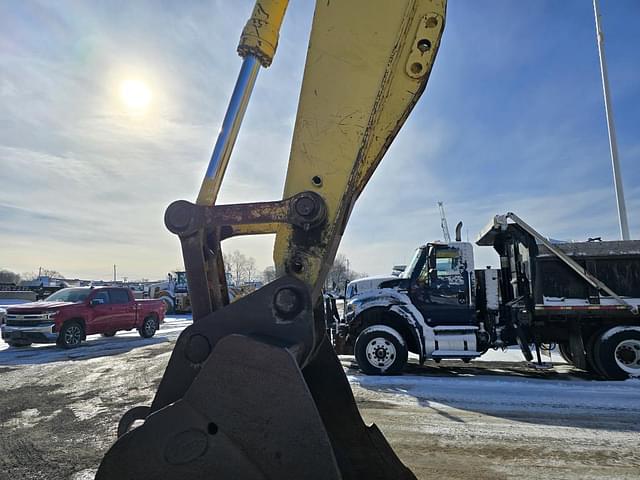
(581, 296)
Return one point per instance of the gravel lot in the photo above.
(494, 419)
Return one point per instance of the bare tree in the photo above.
(341, 273)
(45, 272)
(269, 274)
(250, 269)
(241, 268)
(7, 276)
(42, 272)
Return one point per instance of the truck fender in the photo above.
(415, 328)
(399, 305)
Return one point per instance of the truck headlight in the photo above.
(51, 315)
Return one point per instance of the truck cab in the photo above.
(441, 283)
(429, 310)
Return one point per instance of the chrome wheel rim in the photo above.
(73, 335)
(149, 327)
(627, 355)
(381, 353)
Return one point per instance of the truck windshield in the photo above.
(69, 295)
(412, 264)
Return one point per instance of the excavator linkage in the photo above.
(254, 389)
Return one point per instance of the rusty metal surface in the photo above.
(201, 228)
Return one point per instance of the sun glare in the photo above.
(135, 95)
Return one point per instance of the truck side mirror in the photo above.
(433, 275)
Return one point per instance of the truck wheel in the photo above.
(19, 344)
(565, 352)
(169, 304)
(148, 328)
(617, 353)
(593, 366)
(381, 350)
(71, 335)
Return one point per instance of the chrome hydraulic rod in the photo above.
(258, 43)
(229, 131)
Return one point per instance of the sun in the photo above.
(135, 95)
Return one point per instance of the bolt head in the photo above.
(305, 206)
(287, 302)
(198, 348)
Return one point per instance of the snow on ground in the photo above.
(491, 419)
(497, 394)
(95, 346)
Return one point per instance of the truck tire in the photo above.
(169, 304)
(148, 328)
(590, 350)
(617, 353)
(381, 350)
(71, 335)
(565, 352)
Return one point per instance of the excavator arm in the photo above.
(253, 389)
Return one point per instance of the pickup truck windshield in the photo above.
(69, 295)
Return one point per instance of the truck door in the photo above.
(101, 311)
(123, 309)
(442, 289)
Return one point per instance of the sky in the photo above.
(512, 120)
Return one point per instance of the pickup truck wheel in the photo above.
(381, 350)
(148, 328)
(71, 335)
(617, 353)
(19, 344)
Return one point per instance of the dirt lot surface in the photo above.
(486, 420)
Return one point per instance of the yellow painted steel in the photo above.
(209, 190)
(367, 64)
(261, 33)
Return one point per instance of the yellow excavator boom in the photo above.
(367, 65)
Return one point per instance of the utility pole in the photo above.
(613, 143)
(114, 272)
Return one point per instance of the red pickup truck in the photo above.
(70, 314)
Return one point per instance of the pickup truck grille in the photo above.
(26, 323)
